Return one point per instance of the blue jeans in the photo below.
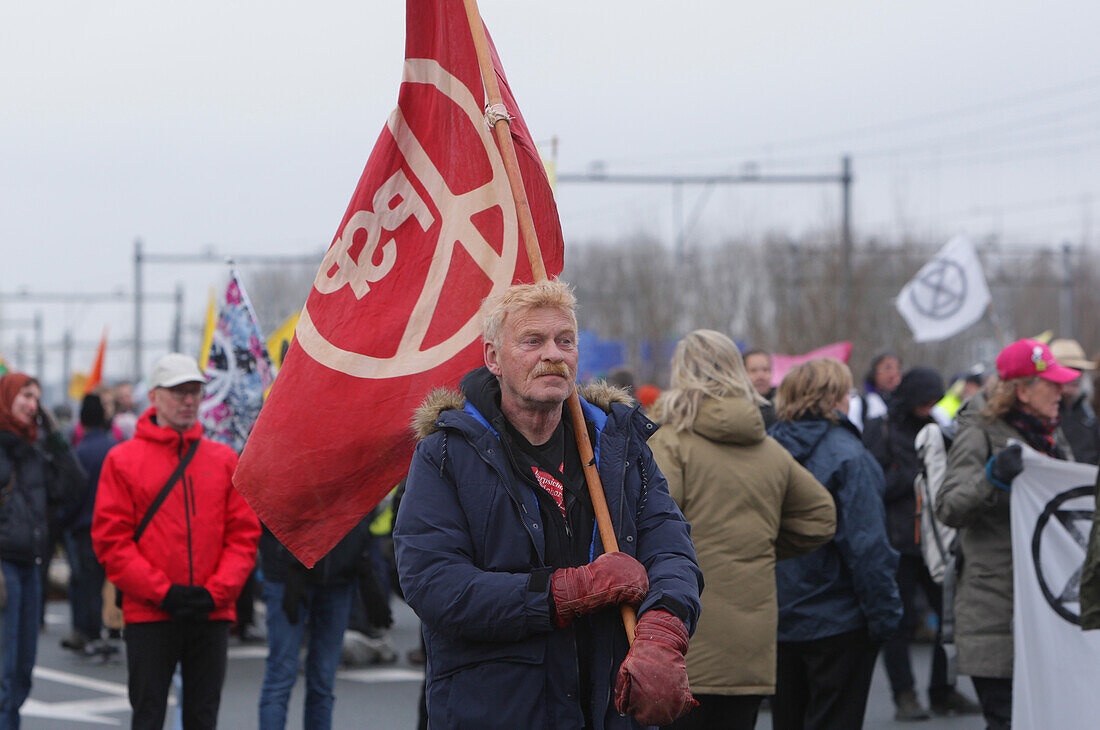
(20, 639)
(85, 583)
(326, 613)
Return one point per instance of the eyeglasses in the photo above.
(181, 392)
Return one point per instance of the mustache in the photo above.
(551, 368)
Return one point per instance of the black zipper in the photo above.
(187, 517)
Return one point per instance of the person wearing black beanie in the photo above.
(86, 581)
(92, 413)
(891, 439)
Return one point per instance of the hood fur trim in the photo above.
(599, 394)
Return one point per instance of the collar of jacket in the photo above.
(149, 430)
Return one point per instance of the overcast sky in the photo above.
(244, 126)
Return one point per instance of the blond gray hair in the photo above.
(813, 389)
(554, 294)
(705, 364)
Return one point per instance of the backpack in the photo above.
(937, 540)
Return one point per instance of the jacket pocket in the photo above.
(503, 692)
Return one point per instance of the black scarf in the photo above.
(1039, 433)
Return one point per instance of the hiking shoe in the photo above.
(75, 641)
(954, 703)
(908, 707)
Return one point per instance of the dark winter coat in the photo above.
(343, 564)
(890, 440)
(849, 583)
(40, 476)
(470, 556)
(1080, 427)
(90, 452)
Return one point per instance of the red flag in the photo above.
(782, 363)
(430, 232)
(96, 376)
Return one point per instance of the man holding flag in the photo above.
(517, 594)
(497, 550)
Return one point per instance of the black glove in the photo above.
(178, 602)
(294, 591)
(202, 603)
(1007, 464)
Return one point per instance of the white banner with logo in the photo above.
(947, 295)
(1056, 664)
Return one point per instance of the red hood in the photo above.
(148, 430)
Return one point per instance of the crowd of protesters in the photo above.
(799, 491)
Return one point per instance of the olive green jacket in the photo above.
(1090, 575)
(749, 503)
(969, 502)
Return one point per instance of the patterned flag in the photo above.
(430, 232)
(238, 370)
(1055, 663)
(947, 295)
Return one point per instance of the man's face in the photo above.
(536, 361)
(124, 397)
(759, 368)
(887, 374)
(1071, 389)
(924, 410)
(177, 407)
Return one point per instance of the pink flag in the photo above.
(782, 363)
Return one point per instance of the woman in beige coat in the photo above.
(749, 504)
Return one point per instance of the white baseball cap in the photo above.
(175, 369)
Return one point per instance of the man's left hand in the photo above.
(652, 686)
(202, 603)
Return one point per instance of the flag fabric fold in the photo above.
(1055, 663)
(947, 295)
(431, 230)
(238, 370)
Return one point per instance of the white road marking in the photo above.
(381, 674)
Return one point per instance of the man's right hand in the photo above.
(612, 578)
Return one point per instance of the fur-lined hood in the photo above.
(599, 394)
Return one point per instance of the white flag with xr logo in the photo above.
(1056, 664)
(947, 295)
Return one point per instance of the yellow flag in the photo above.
(77, 386)
(208, 331)
(279, 341)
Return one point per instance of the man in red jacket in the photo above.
(179, 561)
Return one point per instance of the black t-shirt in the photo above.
(554, 469)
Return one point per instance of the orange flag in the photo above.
(96, 376)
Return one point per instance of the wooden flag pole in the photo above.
(534, 255)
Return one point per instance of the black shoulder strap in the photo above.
(166, 489)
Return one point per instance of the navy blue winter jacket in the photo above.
(90, 452)
(470, 556)
(850, 582)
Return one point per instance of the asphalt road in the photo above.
(74, 693)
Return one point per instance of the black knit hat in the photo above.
(92, 414)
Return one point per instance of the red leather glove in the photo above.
(612, 578)
(652, 686)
